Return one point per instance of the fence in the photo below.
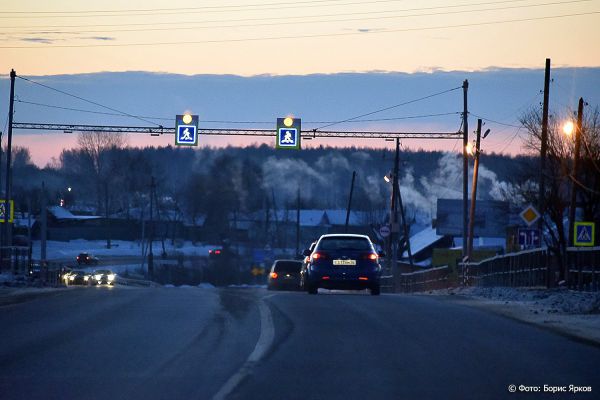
(419, 281)
(583, 268)
(523, 269)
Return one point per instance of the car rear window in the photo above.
(345, 243)
(288, 266)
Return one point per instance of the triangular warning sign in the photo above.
(585, 234)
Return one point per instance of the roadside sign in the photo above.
(385, 231)
(186, 130)
(4, 211)
(288, 133)
(530, 215)
(585, 234)
(529, 238)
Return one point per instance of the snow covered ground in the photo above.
(566, 311)
(61, 250)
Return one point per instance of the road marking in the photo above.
(265, 340)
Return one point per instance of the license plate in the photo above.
(344, 262)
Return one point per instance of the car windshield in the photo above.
(103, 271)
(288, 266)
(344, 243)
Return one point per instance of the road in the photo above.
(192, 343)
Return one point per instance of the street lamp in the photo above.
(568, 128)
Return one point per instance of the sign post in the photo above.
(288, 133)
(186, 130)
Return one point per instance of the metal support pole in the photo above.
(8, 192)
(465, 165)
(573, 203)
(350, 201)
(544, 147)
(151, 231)
(395, 229)
(474, 192)
(298, 223)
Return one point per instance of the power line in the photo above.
(496, 122)
(82, 99)
(308, 36)
(228, 121)
(280, 22)
(304, 21)
(388, 108)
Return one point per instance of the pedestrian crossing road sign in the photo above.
(4, 211)
(186, 130)
(288, 133)
(585, 234)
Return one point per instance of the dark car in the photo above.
(285, 274)
(101, 276)
(77, 277)
(87, 259)
(342, 261)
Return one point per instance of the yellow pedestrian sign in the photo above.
(585, 234)
(4, 211)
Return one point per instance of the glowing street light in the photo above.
(469, 149)
(288, 121)
(187, 118)
(568, 128)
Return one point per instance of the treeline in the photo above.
(107, 178)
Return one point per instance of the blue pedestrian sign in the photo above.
(186, 130)
(288, 133)
(529, 238)
(7, 209)
(585, 233)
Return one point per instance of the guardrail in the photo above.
(135, 282)
(583, 268)
(419, 281)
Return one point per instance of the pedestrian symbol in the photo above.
(186, 130)
(288, 137)
(584, 234)
(6, 210)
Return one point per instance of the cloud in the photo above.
(102, 38)
(37, 40)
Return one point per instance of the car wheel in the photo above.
(375, 290)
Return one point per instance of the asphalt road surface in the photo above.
(192, 343)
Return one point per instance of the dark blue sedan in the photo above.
(342, 261)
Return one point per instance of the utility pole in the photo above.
(8, 192)
(107, 215)
(544, 147)
(350, 201)
(151, 231)
(405, 227)
(298, 223)
(474, 192)
(465, 165)
(395, 229)
(573, 204)
(44, 226)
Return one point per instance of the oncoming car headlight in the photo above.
(111, 277)
(86, 278)
(98, 277)
(71, 278)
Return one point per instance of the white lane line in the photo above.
(265, 340)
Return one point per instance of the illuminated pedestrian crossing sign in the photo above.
(288, 133)
(186, 130)
(7, 210)
(585, 233)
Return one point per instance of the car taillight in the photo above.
(370, 256)
(274, 275)
(318, 255)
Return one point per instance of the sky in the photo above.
(74, 44)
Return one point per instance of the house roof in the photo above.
(422, 240)
(62, 213)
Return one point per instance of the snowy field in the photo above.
(56, 250)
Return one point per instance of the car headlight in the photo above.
(111, 277)
(97, 277)
(86, 278)
(71, 278)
